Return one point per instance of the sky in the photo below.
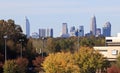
(52, 13)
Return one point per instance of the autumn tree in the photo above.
(22, 64)
(10, 66)
(60, 63)
(16, 66)
(115, 68)
(37, 63)
(88, 60)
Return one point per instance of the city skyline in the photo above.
(52, 13)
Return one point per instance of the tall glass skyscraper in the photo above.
(107, 29)
(27, 27)
(93, 26)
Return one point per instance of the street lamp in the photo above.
(78, 40)
(42, 46)
(5, 37)
(21, 40)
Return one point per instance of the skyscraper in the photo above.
(107, 29)
(93, 26)
(81, 31)
(45, 32)
(42, 33)
(72, 31)
(64, 30)
(50, 32)
(27, 27)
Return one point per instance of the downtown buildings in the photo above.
(79, 31)
(106, 29)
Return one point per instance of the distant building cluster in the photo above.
(42, 32)
(106, 30)
(94, 31)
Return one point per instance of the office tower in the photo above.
(27, 27)
(64, 31)
(98, 32)
(93, 26)
(42, 33)
(107, 29)
(72, 31)
(81, 31)
(50, 32)
(64, 28)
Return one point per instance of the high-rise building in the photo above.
(64, 30)
(45, 33)
(42, 33)
(81, 31)
(107, 29)
(27, 27)
(93, 26)
(72, 31)
(98, 32)
(50, 32)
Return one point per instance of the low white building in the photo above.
(111, 49)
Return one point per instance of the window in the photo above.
(110, 40)
(114, 52)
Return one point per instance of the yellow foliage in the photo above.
(60, 63)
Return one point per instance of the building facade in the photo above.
(111, 49)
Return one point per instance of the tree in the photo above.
(115, 68)
(60, 63)
(10, 66)
(88, 60)
(37, 63)
(16, 66)
(22, 64)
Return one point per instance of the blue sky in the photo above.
(52, 13)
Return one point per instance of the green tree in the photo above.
(88, 60)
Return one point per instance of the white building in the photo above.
(111, 49)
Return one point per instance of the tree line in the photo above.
(68, 55)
